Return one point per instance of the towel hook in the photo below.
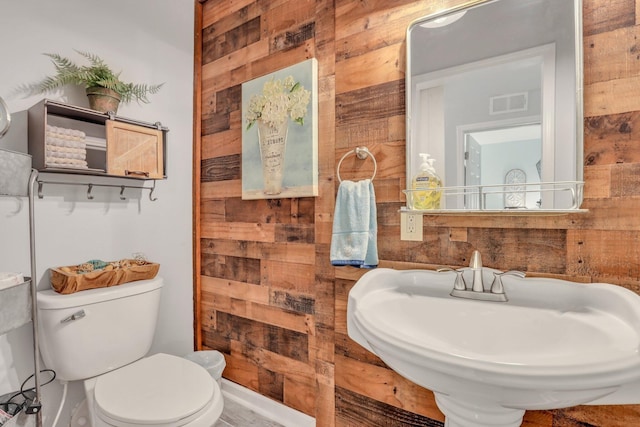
(361, 153)
(151, 190)
(122, 187)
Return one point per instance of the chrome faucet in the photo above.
(477, 291)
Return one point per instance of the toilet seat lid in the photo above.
(156, 390)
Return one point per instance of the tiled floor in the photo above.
(236, 415)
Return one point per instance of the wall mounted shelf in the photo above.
(474, 199)
(78, 141)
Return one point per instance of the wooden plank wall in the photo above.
(266, 294)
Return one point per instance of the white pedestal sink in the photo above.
(553, 344)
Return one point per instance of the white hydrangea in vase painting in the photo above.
(287, 154)
(279, 101)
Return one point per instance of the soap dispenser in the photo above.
(436, 185)
(426, 186)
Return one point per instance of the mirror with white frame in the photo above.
(494, 95)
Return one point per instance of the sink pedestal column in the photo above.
(459, 413)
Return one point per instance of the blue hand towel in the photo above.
(355, 226)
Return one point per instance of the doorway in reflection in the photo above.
(508, 160)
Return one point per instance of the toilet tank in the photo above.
(88, 333)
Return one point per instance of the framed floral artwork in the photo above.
(280, 133)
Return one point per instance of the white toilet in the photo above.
(101, 336)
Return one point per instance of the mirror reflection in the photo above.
(494, 96)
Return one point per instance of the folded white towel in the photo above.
(65, 142)
(56, 162)
(355, 226)
(65, 152)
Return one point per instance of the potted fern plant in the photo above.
(103, 86)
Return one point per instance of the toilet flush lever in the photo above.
(75, 316)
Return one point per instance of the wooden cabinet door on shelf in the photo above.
(134, 151)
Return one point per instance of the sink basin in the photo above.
(553, 344)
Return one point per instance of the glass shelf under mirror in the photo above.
(541, 198)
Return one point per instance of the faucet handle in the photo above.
(459, 284)
(496, 286)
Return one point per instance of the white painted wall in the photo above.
(151, 41)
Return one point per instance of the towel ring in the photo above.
(361, 153)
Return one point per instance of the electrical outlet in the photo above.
(410, 226)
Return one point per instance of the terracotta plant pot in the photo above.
(103, 99)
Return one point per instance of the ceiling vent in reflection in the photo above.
(510, 103)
